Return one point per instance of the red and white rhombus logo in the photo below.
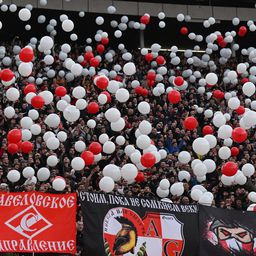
(29, 223)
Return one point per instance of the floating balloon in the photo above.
(229, 169)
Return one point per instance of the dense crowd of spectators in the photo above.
(168, 133)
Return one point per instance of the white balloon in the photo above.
(109, 147)
(48, 97)
(81, 104)
(33, 114)
(129, 149)
(52, 120)
(13, 176)
(224, 153)
(184, 175)
(91, 123)
(59, 184)
(129, 69)
(225, 132)
(53, 143)
(118, 125)
(28, 172)
(43, 174)
(249, 89)
(211, 79)
(227, 180)
(163, 153)
(200, 169)
(120, 140)
(25, 69)
(77, 163)
(129, 172)
(26, 134)
(252, 196)
(135, 157)
(219, 120)
(248, 170)
(184, 157)
(144, 108)
(9, 112)
(62, 136)
(201, 146)
(78, 92)
(80, 146)
(205, 200)
(145, 127)
(106, 184)
(103, 138)
(26, 122)
(67, 25)
(210, 164)
(12, 94)
(24, 14)
(177, 189)
(122, 95)
(112, 115)
(196, 194)
(162, 193)
(211, 140)
(48, 135)
(71, 113)
(234, 103)
(52, 160)
(164, 184)
(46, 43)
(112, 171)
(143, 141)
(240, 179)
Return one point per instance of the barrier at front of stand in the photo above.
(38, 222)
(117, 225)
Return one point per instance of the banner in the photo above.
(130, 226)
(227, 232)
(38, 222)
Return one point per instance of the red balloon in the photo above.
(95, 148)
(190, 123)
(108, 96)
(240, 110)
(94, 62)
(100, 48)
(102, 83)
(234, 151)
(14, 136)
(138, 90)
(140, 177)
(229, 169)
(29, 88)
(88, 157)
(93, 108)
(174, 97)
(145, 19)
(184, 30)
(207, 130)
(239, 135)
(223, 44)
(144, 92)
(88, 55)
(218, 94)
(179, 81)
(26, 147)
(150, 83)
(242, 31)
(244, 80)
(149, 57)
(37, 101)
(219, 38)
(151, 76)
(7, 75)
(105, 40)
(13, 148)
(60, 91)
(26, 54)
(148, 160)
(160, 60)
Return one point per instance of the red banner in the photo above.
(37, 222)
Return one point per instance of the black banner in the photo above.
(227, 232)
(117, 225)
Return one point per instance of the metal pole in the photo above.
(142, 42)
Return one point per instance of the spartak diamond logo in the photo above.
(29, 223)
